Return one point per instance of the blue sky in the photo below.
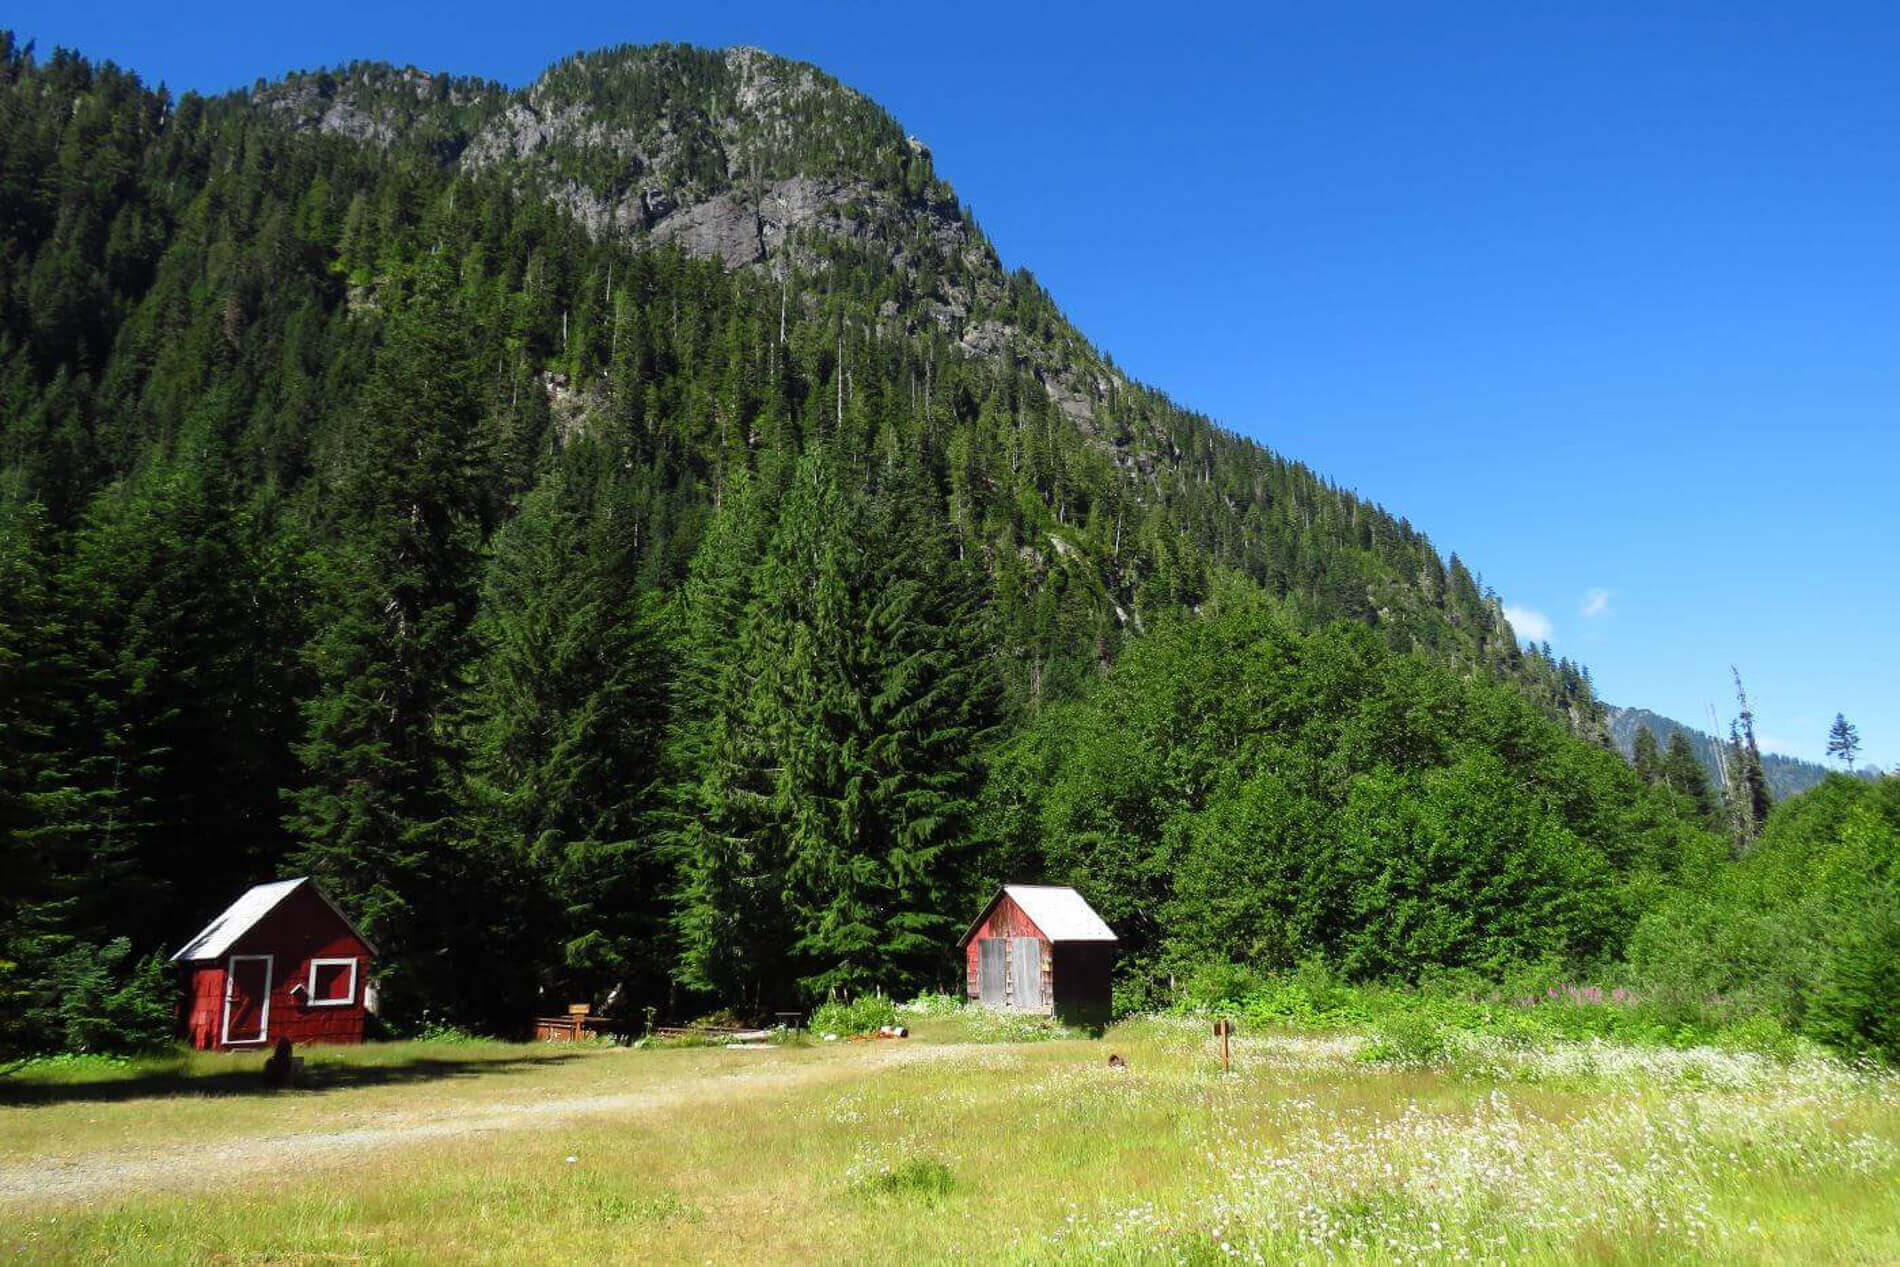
(1604, 297)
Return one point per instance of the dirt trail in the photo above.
(79, 1179)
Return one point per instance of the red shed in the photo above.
(1041, 948)
(281, 962)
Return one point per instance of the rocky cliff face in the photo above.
(729, 155)
(384, 106)
(733, 155)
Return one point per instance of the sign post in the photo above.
(1222, 1028)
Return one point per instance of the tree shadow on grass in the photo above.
(248, 1079)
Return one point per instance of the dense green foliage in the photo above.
(863, 1015)
(1804, 929)
(1415, 1023)
(385, 494)
(1238, 792)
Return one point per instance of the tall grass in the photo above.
(1321, 1145)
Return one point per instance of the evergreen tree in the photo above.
(733, 928)
(1750, 801)
(1646, 756)
(565, 718)
(1684, 774)
(375, 815)
(898, 695)
(1843, 742)
(181, 625)
(30, 767)
(839, 784)
(68, 877)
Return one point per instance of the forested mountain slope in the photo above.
(1787, 776)
(171, 260)
(601, 528)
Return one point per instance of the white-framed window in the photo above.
(332, 983)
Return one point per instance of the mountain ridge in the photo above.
(1787, 776)
(760, 200)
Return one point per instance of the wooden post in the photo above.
(579, 1011)
(1223, 1028)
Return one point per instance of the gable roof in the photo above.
(1056, 909)
(243, 915)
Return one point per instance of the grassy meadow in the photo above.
(953, 1146)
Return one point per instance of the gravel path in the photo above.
(84, 1178)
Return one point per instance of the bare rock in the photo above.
(723, 227)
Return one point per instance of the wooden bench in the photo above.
(578, 1024)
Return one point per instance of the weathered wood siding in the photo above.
(1008, 922)
(204, 1005)
(1025, 959)
(301, 928)
(992, 970)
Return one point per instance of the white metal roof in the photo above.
(242, 916)
(1059, 912)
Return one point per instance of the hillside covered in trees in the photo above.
(631, 537)
(1787, 776)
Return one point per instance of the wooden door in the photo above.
(990, 969)
(1025, 969)
(247, 999)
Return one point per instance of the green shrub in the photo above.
(861, 1015)
(1313, 997)
(432, 1027)
(1221, 988)
(96, 999)
(723, 1018)
(1136, 991)
(1413, 1040)
(1857, 1004)
(931, 1003)
(1761, 1034)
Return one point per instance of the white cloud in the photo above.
(1773, 743)
(1530, 625)
(1596, 603)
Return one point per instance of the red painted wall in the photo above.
(301, 928)
(1006, 919)
(204, 1004)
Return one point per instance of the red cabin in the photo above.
(1040, 948)
(281, 962)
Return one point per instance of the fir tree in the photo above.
(180, 625)
(901, 698)
(1684, 774)
(1750, 801)
(1843, 742)
(1646, 756)
(565, 718)
(374, 816)
(68, 874)
(733, 929)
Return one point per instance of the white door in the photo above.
(247, 998)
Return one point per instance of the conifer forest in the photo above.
(632, 540)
